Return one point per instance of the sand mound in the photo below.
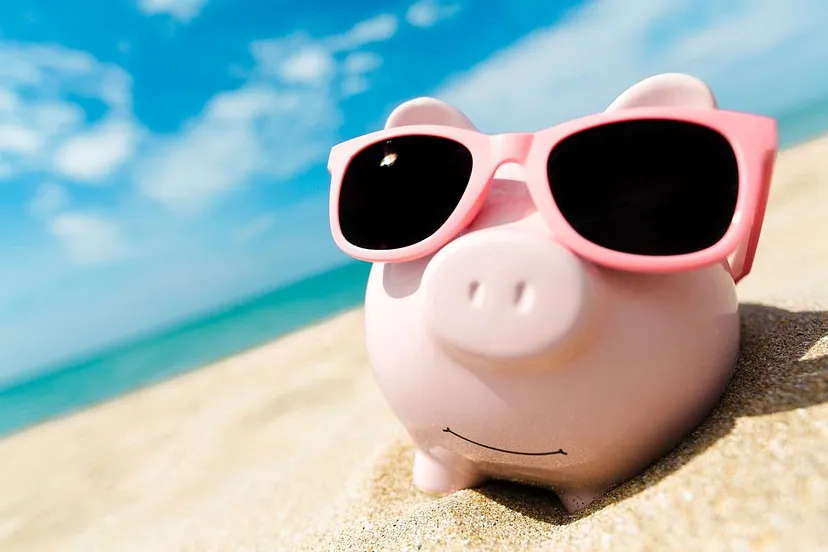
(742, 477)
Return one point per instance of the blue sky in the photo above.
(161, 157)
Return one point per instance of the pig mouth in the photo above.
(559, 451)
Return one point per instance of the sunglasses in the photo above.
(644, 190)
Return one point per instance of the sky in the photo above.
(161, 157)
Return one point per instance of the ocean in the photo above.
(222, 334)
(804, 124)
(182, 348)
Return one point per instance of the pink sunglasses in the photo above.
(643, 190)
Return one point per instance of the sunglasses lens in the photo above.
(400, 191)
(646, 187)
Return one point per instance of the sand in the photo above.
(290, 447)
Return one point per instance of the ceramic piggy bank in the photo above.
(555, 308)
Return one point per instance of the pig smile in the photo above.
(559, 451)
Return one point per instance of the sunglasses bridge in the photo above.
(512, 147)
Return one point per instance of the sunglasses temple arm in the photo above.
(742, 260)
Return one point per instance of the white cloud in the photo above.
(756, 55)
(16, 138)
(255, 228)
(300, 59)
(89, 238)
(46, 135)
(183, 10)
(48, 200)
(311, 65)
(376, 29)
(294, 59)
(278, 124)
(427, 13)
(93, 155)
(361, 62)
(258, 129)
(355, 67)
(36, 119)
(54, 69)
(8, 100)
(355, 84)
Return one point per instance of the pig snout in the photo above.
(502, 295)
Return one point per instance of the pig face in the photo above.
(506, 355)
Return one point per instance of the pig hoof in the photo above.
(432, 494)
(573, 501)
(436, 479)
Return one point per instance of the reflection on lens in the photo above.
(400, 191)
(646, 187)
(388, 160)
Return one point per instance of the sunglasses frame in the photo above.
(753, 139)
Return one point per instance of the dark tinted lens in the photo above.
(400, 191)
(648, 187)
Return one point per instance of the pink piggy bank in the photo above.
(555, 308)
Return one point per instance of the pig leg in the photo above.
(437, 478)
(578, 499)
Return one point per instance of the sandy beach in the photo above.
(290, 447)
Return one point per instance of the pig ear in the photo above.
(666, 90)
(428, 111)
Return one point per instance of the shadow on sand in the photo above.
(771, 376)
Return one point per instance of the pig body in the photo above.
(507, 356)
(582, 397)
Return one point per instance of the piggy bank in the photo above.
(521, 339)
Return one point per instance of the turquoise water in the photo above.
(803, 124)
(225, 333)
(181, 349)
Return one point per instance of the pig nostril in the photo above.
(476, 294)
(524, 297)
